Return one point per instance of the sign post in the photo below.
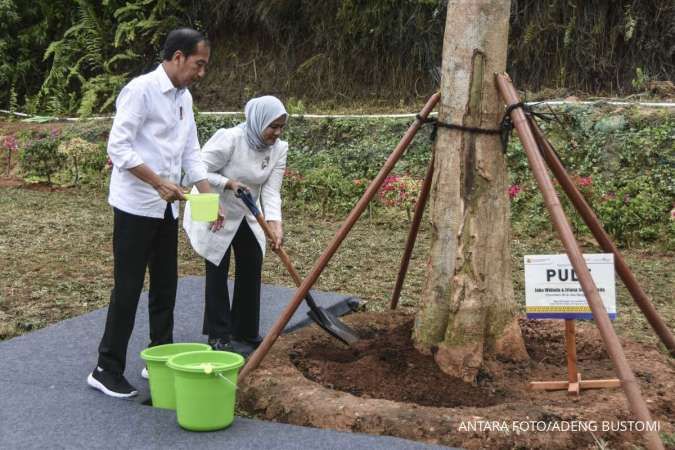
(552, 291)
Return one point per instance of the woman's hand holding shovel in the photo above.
(236, 186)
(275, 226)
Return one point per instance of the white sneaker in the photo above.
(144, 373)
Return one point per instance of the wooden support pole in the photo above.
(594, 224)
(574, 384)
(571, 351)
(349, 222)
(414, 230)
(625, 373)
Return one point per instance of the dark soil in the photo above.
(386, 365)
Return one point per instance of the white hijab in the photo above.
(260, 112)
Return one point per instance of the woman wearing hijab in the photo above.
(251, 157)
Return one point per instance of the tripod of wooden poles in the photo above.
(539, 152)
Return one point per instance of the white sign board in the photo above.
(552, 289)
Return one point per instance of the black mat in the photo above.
(46, 403)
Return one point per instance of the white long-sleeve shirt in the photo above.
(153, 125)
(227, 155)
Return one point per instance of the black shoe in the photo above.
(111, 383)
(220, 344)
(251, 342)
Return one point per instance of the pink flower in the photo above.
(399, 191)
(514, 190)
(389, 184)
(672, 214)
(10, 143)
(585, 181)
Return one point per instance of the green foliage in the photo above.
(621, 160)
(26, 29)
(641, 79)
(72, 56)
(323, 188)
(624, 167)
(82, 154)
(41, 157)
(625, 174)
(331, 161)
(589, 46)
(96, 55)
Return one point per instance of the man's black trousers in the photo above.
(140, 242)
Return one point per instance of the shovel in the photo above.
(325, 319)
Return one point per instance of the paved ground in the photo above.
(46, 403)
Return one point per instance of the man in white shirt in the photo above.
(152, 141)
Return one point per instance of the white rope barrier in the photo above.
(366, 116)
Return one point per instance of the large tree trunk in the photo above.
(468, 313)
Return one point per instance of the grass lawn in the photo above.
(56, 260)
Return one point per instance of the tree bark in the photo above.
(467, 316)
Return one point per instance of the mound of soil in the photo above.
(384, 386)
(385, 365)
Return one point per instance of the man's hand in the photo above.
(169, 191)
(166, 189)
(278, 231)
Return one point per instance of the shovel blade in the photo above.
(330, 323)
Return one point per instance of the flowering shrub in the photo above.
(324, 188)
(625, 175)
(400, 192)
(9, 145)
(514, 190)
(584, 181)
(632, 212)
(78, 150)
(41, 157)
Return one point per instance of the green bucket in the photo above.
(203, 207)
(160, 376)
(206, 385)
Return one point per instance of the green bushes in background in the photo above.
(73, 155)
(73, 56)
(622, 160)
(41, 158)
